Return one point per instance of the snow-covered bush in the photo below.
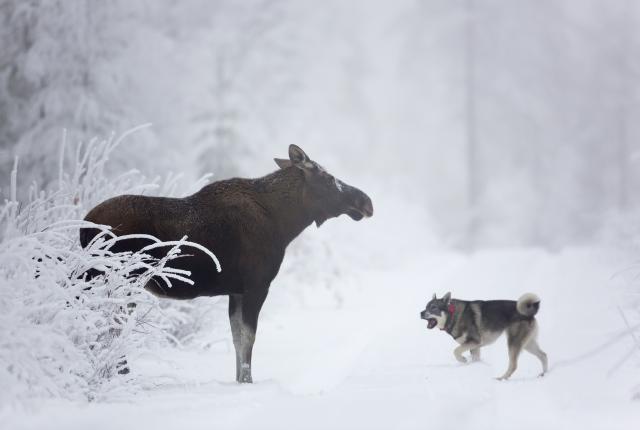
(62, 334)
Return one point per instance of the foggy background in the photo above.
(497, 140)
(496, 122)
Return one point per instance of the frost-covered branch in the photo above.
(63, 333)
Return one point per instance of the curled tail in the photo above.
(528, 304)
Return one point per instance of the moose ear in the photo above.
(447, 298)
(298, 156)
(282, 163)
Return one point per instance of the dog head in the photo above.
(436, 312)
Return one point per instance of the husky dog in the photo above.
(474, 324)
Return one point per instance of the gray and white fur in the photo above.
(474, 324)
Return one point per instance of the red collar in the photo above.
(452, 310)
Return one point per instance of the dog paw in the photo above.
(461, 359)
(541, 375)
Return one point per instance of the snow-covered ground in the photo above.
(377, 92)
(370, 363)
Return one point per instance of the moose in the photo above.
(247, 223)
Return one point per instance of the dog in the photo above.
(474, 324)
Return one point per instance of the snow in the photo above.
(370, 363)
(374, 90)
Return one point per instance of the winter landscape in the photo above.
(496, 139)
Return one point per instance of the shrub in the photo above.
(61, 333)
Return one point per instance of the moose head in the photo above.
(323, 194)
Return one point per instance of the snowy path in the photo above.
(372, 364)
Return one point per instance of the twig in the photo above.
(635, 348)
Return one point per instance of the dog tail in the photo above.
(528, 305)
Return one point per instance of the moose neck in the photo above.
(281, 193)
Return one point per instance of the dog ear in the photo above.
(447, 297)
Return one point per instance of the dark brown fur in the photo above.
(246, 223)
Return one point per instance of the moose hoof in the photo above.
(245, 375)
(245, 379)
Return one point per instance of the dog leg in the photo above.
(534, 349)
(516, 338)
(475, 354)
(462, 349)
(513, 363)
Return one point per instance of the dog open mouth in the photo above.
(431, 323)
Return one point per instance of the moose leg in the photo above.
(243, 315)
(235, 319)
